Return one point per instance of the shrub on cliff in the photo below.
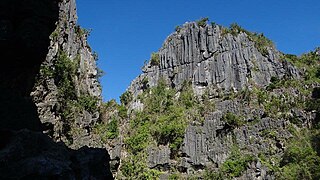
(155, 59)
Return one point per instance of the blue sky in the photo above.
(125, 32)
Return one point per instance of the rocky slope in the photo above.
(50, 94)
(217, 103)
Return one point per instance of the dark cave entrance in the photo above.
(25, 27)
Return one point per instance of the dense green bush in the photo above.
(136, 168)
(234, 166)
(232, 120)
(138, 140)
(64, 73)
(125, 98)
(107, 130)
(300, 159)
(88, 103)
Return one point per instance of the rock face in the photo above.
(32, 155)
(235, 71)
(48, 73)
(208, 56)
(24, 31)
(49, 93)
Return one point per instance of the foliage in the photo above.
(275, 83)
(65, 70)
(135, 168)
(309, 63)
(122, 111)
(155, 59)
(236, 163)
(88, 103)
(233, 167)
(125, 98)
(54, 35)
(202, 22)
(174, 176)
(300, 159)
(107, 130)
(232, 120)
(261, 42)
(138, 140)
(82, 31)
(178, 29)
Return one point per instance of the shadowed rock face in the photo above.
(25, 152)
(25, 27)
(31, 155)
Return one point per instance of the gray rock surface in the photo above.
(207, 57)
(222, 64)
(71, 39)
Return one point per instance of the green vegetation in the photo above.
(155, 59)
(136, 168)
(82, 31)
(232, 120)
(107, 130)
(309, 63)
(54, 35)
(65, 71)
(178, 29)
(162, 122)
(301, 159)
(261, 42)
(233, 167)
(125, 98)
(72, 103)
(202, 22)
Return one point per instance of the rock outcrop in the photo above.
(49, 94)
(209, 56)
(54, 93)
(245, 90)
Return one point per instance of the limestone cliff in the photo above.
(67, 92)
(220, 103)
(211, 56)
(49, 92)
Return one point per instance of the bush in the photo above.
(107, 130)
(89, 103)
(202, 22)
(135, 168)
(65, 71)
(125, 98)
(232, 120)
(300, 159)
(236, 164)
(155, 59)
(139, 139)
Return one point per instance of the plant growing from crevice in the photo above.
(202, 22)
(155, 59)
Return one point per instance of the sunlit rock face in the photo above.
(209, 57)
